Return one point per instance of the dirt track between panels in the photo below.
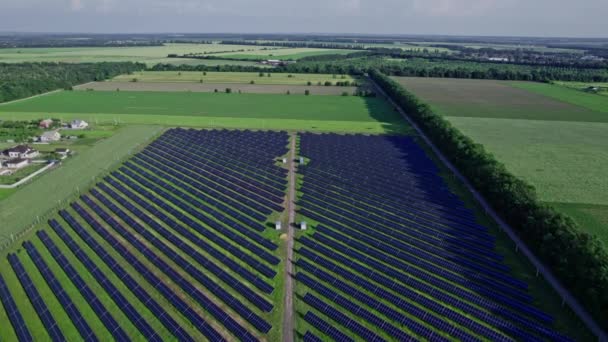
(221, 87)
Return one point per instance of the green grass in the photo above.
(233, 77)
(567, 162)
(47, 191)
(260, 111)
(590, 101)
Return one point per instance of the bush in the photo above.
(327, 83)
(306, 92)
(309, 83)
(228, 90)
(252, 82)
(578, 259)
(344, 93)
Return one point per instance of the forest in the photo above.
(27, 79)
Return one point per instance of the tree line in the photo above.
(27, 79)
(578, 259)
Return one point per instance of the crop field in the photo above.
(395, 255)
(270, 111)
(32, 202)
(590, 101)
(284, 54)
(583, 86)
(220, 87)
(562, 152)
(236, 77)
(150, 54)
(173, 245)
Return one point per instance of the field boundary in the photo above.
(566, 296)
(288, 310)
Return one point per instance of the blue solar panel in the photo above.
(12, 311)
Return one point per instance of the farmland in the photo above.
(550, 141)
(201, 109)
(235, 77)
(152, 55)
(284, 54)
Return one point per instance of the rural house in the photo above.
(47, 123)
(50, 136)
(20, 151)
(18, 163)
(79, 124)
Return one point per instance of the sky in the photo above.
(564, 18)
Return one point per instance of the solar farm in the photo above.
(179, 243)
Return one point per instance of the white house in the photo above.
(78, 124)
(21, 151)
(17, 163)
(50, 136)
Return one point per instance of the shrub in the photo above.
(228, 90)
(306, 92)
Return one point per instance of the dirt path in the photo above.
(288, 318)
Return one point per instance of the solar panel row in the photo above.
(100, 310)
(23, 334)
(390, 224)
(208, 234)
(37, 302)
(326, 328)
(133, 285)
(144, 271)
(176, 256)
(188, 287)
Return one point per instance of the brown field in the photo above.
(494, 99)
(210, 87)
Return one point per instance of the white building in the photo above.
(17, 163)
(20, 151)
(50, 136)
(79, 124)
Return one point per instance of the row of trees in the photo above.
(578, 259)
(27, 79)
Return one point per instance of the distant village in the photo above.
(22, 155)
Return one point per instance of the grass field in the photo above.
(48, 191)
(150, 55)
(565, 94)
(549, 135)
(234, 77)
(582, 86)
(342, 113)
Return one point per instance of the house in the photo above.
(21, 151)
(17, 163)
(498, 59)
(50, 136)
(46, 123)
(62, 151)
(78, 124)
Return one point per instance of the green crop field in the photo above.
(270, 111)
(150, 54)
(584, 86)
(590, 101)
(48, 191)
(235, 77)
(551, 136)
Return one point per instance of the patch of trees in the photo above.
(578, 259)
(27, 79)
(296, 44)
